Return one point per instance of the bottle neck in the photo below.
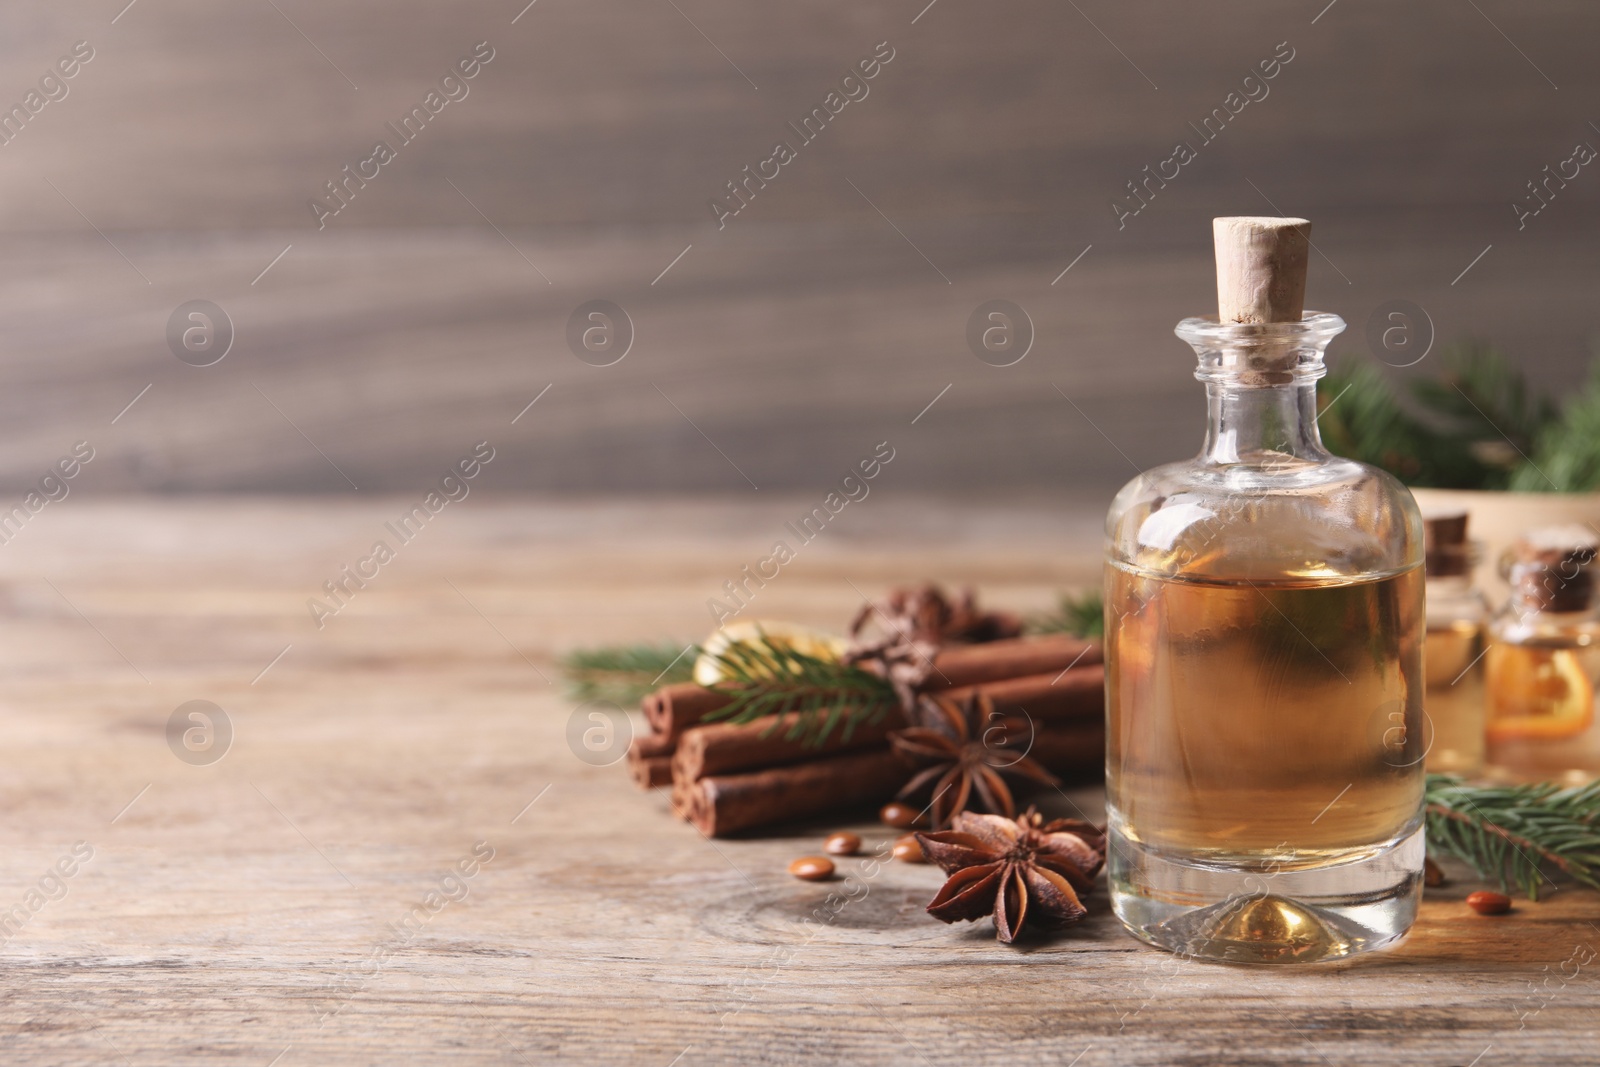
(1261, 425)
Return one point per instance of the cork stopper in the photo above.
(1448, 555)
(1261, 268)
(1550, 568)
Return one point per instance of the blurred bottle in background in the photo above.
(1453, 653)
(1543, 662)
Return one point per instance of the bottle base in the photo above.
(1258, 914)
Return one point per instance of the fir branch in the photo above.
(1081, 616)
(1517, 833)
(769, 677)
(1484, 404)
(1476, 424)
(624, 674)
(1566, 454)
(1361, 418)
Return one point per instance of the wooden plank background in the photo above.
(230, 913)
(181, 161)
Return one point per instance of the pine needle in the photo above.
(1517, 834)
(1079, 616)
(1483, 401)
(818, 696)
(1476, 424)
(1566, 454)
(1361, 418)
(624, 674)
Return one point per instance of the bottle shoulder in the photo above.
(1268, 518)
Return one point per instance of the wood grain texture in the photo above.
(808, 328)
(247, 910)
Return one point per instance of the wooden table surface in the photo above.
(272, 907)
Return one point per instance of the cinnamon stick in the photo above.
(725, 804)
(674, 708)
(709, 749)
(724, 748)
(996, 661)
(682, 797)
(649, 771)
(1073, 751)
(1060, 696)
(652, 744)
(650, 759)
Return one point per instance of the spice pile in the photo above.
(943, 705)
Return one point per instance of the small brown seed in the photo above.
(843, 843)
(1486, 903)
(812, 868)
(909, 850)
(1432, 876)
(898, 815)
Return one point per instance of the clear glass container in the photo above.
(1543, 663)
(1453, 653)
(1264, 684)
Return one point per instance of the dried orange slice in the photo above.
(709, 670)
(1537, 693)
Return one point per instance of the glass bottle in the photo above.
(1453, 653)
(1543, 662)
(1264, 638)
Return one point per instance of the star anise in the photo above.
(1022, 871)
(967, 752)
